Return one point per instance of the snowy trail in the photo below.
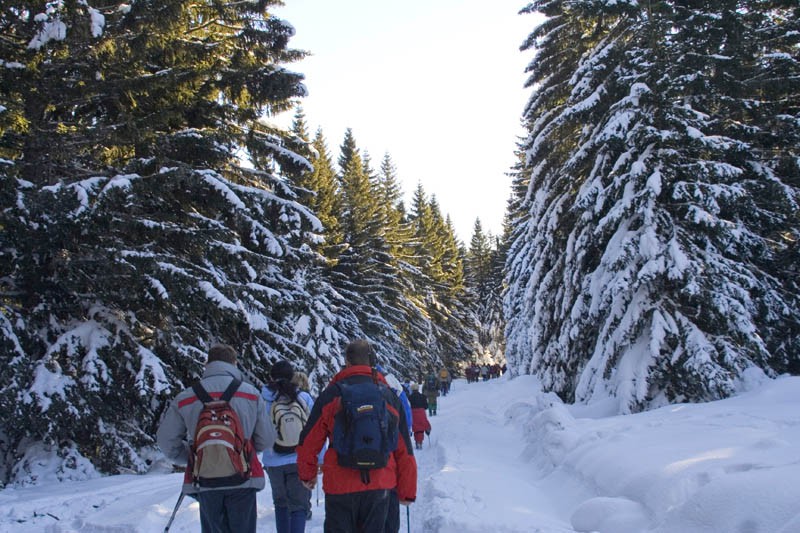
(507, 458)
(470, 480)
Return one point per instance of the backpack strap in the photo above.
(205, 397)
(201, 393)
(231, 390)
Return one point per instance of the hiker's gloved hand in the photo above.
(428, 432)
(406, 502)
(310, 484)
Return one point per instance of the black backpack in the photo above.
(364, 433)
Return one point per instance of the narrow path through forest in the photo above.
(471, 475)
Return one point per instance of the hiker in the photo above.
(444, 380)
(395, 385)
(289, 409)
(470, 373)
(357, 497)
(228, 500)
(393, 515)
(420, 425)
(431, 392)
(301, 380)
(485, 372)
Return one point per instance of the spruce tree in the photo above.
(646, 270)
(365, 273)
(133, 235)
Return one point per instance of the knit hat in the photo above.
(281, 370)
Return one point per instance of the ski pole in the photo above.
(408, 518)
(317, 494)
(174, 511)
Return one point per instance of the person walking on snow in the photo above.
(444, 380)
(398, 389)
(393, 515)
(225, 508)
(301, 380)
(420, 425)
(431, 392)
(355, 502)
(292, 500)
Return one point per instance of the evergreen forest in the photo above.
(150, 207)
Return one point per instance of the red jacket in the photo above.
(400, 473)
(420, 420)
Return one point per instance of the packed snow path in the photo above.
(471, 476)
(471, 479)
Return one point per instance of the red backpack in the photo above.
(220, 454)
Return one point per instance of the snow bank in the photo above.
(725, 466)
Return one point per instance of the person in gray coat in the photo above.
(222, 509)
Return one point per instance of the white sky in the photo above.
(436, 83)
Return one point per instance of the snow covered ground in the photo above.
(504, 457)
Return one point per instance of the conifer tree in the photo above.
(646, 270)
(365, 272)
(483, 268)
(133, 236)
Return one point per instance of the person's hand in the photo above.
(406, 502)
(428, 432)
(310, 484)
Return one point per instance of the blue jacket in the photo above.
(406, 407)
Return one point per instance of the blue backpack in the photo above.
(364, 434)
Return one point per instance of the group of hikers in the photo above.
(485, 372)
(357, 433)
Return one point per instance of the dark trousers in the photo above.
(357, 512)
(228, 511)
(393, 513)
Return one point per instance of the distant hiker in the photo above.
(485, 372)
(432, 392)
(471, 372)
(288, 409)
(357, 480)
(420, 424)
(444, 380)
(224, 483)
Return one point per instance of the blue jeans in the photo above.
(290, 497)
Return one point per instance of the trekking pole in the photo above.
(174, 511)
(317, 494)
(408, 517)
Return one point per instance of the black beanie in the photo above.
(281, 370)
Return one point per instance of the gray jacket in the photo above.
(176, 431)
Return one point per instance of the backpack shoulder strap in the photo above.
(231, 390)
(201, 393)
